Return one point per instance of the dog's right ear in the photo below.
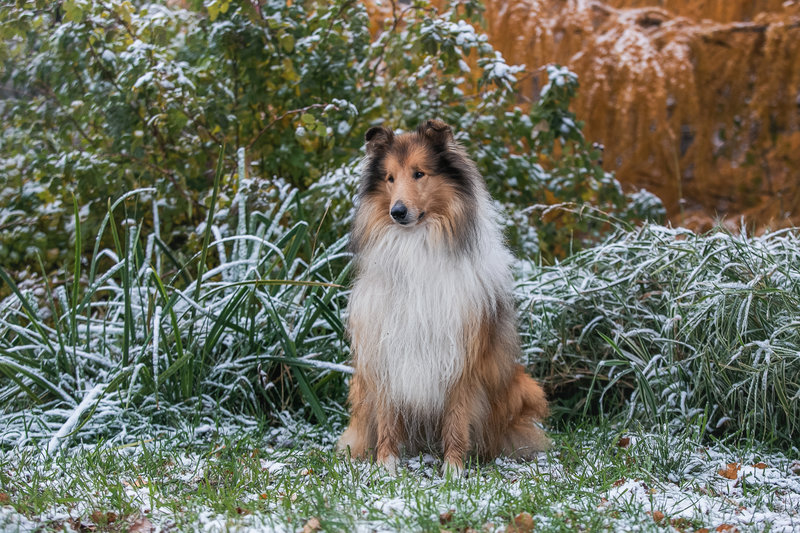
(379, 139)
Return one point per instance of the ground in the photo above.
(288, 479)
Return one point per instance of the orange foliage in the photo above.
(705, 114)
(717, 10)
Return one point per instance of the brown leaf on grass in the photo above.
(312, 525)
(794, 468)
(4, 498)
(727, 527)
(523, 523)
(444, 518)
(619, 482)
(658, 516)
(681, 524)
(77, 525)
(760, 466)
(730, 472)
(702, 530)
(99, 517)
(142, 525)
(624, 442)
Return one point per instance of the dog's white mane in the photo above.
(413, 299)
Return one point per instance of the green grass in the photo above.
(281, 479)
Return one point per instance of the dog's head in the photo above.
(418, 176)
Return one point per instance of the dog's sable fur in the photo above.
(432, 321)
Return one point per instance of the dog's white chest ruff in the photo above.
(410, 309)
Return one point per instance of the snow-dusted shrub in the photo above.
(668, 326)
(98, 97)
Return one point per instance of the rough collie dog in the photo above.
(431, 316)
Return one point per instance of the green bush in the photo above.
(102, 97)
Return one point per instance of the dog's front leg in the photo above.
(391, 432)
(455, 431)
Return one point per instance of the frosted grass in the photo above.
(670, 326)
(134, 348)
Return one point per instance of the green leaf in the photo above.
(287, 42)
(73, 10)
(213, 11)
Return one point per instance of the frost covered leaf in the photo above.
(657, 516)
(731, 471)
(624, 442)
(760, 466)
(726, 528)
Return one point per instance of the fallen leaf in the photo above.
(618, 482)
(760, 466)
(727, 527)
(312, 525)
(794, 468)
(523, 523)
(142, 525)
(263, 496)
(111, 517)
(624, 442)
(701, 530)
(681, 524)
(446, 517)
(730, 472)
(4, 498)
(658, 516)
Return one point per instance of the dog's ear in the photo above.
(379, 139)
(436, 132)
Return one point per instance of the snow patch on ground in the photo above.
(704, 486)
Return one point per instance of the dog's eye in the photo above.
(390, 179)
(418, 174)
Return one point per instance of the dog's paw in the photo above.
(452, 470)
(389, 463)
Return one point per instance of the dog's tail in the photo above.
(527, 406)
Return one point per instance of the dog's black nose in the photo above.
(399, 212)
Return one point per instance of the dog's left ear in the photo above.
(378, 139)
(436, 132)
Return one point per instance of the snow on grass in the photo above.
(287, 478)
(673, 326)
